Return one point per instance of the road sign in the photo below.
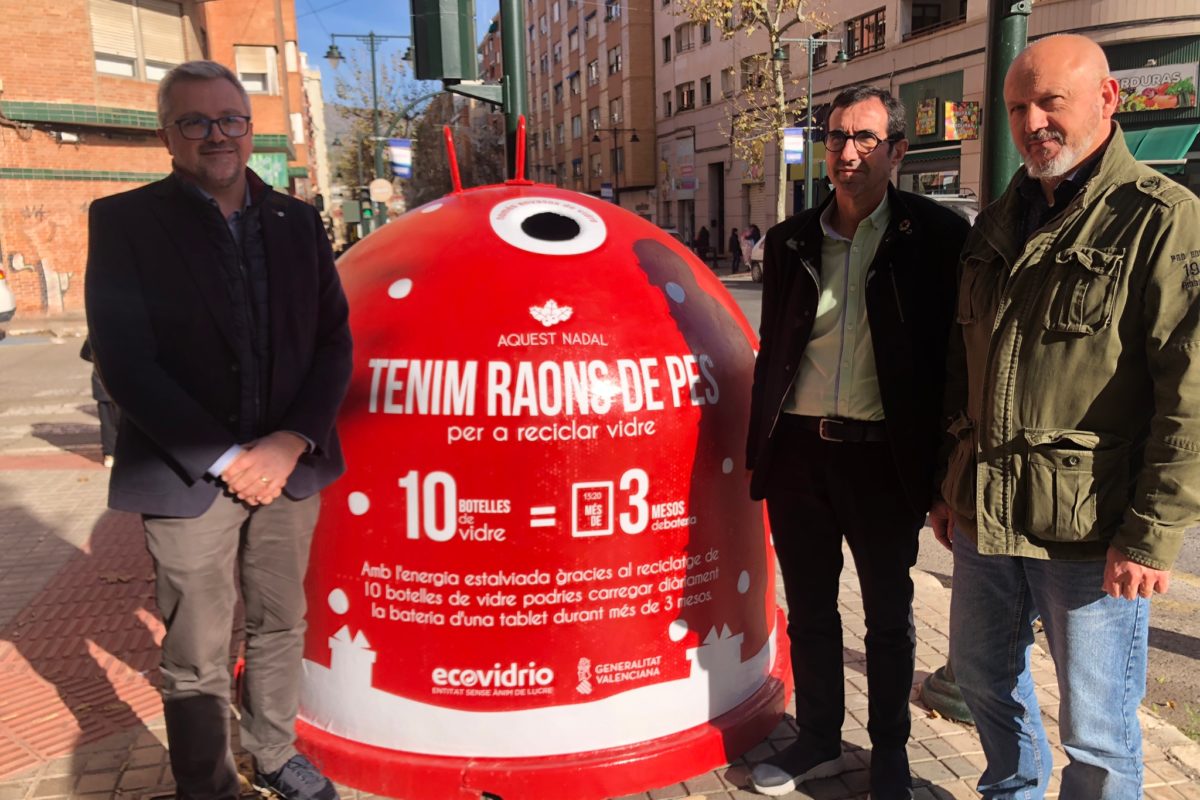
(381, 190)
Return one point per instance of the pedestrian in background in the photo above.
(845, 424)
(735, 251)
(701, 245)
(220, 328)
(1074, 389)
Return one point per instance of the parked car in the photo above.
(8, 303)
(756, 259)
(676, 235)
(965, 207)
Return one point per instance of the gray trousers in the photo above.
(196, 590)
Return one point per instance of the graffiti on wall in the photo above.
(48, 246)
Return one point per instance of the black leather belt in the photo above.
(832, 429)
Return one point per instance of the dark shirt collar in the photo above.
(1037, 212)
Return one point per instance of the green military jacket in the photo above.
(1074, 382)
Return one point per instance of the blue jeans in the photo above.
(1098, 644)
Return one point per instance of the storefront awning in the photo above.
(1164, 148)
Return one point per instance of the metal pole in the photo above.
(1008, 23)
(372, 45)
(513, 83)
(618, 163)
(808, 146)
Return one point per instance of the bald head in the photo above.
(1060, 99)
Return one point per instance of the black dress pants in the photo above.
(818, 493)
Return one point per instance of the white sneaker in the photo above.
(774, 777)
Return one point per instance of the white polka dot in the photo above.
(727, 466)
(400, 288)
(743, 582)
(677, 630)
(675, 292)
(431, 208)
(338, 602)
(359, 503)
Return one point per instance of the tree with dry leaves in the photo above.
(760, 110)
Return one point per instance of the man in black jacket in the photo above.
(220, 328)
(845, 425)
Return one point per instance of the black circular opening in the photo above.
(550, 227)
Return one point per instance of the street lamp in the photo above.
(841, 58)
(334, 56)
(633, 139)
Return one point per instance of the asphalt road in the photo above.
(1173, 687)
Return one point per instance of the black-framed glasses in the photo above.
(233, 126)
(865, 142)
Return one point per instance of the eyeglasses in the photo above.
(233, 126)
(865, 142)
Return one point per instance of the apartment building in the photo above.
(930, 54)
(78, 116)
(591, 98)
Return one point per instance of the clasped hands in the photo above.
(258, 474)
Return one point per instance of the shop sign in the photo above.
(1157, 88)
(793, 145)
(962, 120)
(926, 124)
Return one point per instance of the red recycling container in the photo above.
(541, 576)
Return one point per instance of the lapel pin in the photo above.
(905, 226)
(280, 213)
(791, 243)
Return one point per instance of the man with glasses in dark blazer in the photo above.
(845, 424)
(219, 327)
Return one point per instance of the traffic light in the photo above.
(444, 40)
(368, 210)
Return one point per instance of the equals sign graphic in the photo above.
(542, 517)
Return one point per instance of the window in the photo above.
(573, 39)
(542, 25)
(614, 60)
(666, 104)
(559, 174)
(544, 62)
(820, 52)
(614, 111)
(685, 96)
(545, 101)
(559, 134)
(618, 160)
(666, 49)
(926, 15)
(137, 38)
(685, 37)
(554, 11)
(597, 166)
(706, 91)
(256, 69)
(558, 95)
(727, 85)
(557, 59)
(706, 31)
(589, 25)
(593, 72)
(594, 118)
(531, 33)
(612, 10)
(546, 139)
(865, 34)
(752, 72)
(577, 167)
(576, 126)
(573, 82)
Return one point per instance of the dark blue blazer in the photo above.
(163, 335)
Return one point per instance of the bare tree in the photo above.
(760, 111)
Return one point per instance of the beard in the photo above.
(1069, 153)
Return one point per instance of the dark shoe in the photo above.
(298, 779)
(890, 779)
(782, 772)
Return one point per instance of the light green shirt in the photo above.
(837, 376)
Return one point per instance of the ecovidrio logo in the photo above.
(498, 676)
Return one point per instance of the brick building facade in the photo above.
(78, 81)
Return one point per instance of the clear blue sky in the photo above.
(317, 19)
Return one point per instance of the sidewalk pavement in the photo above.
(80, 716)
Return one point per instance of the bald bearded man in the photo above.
(1075, 395)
